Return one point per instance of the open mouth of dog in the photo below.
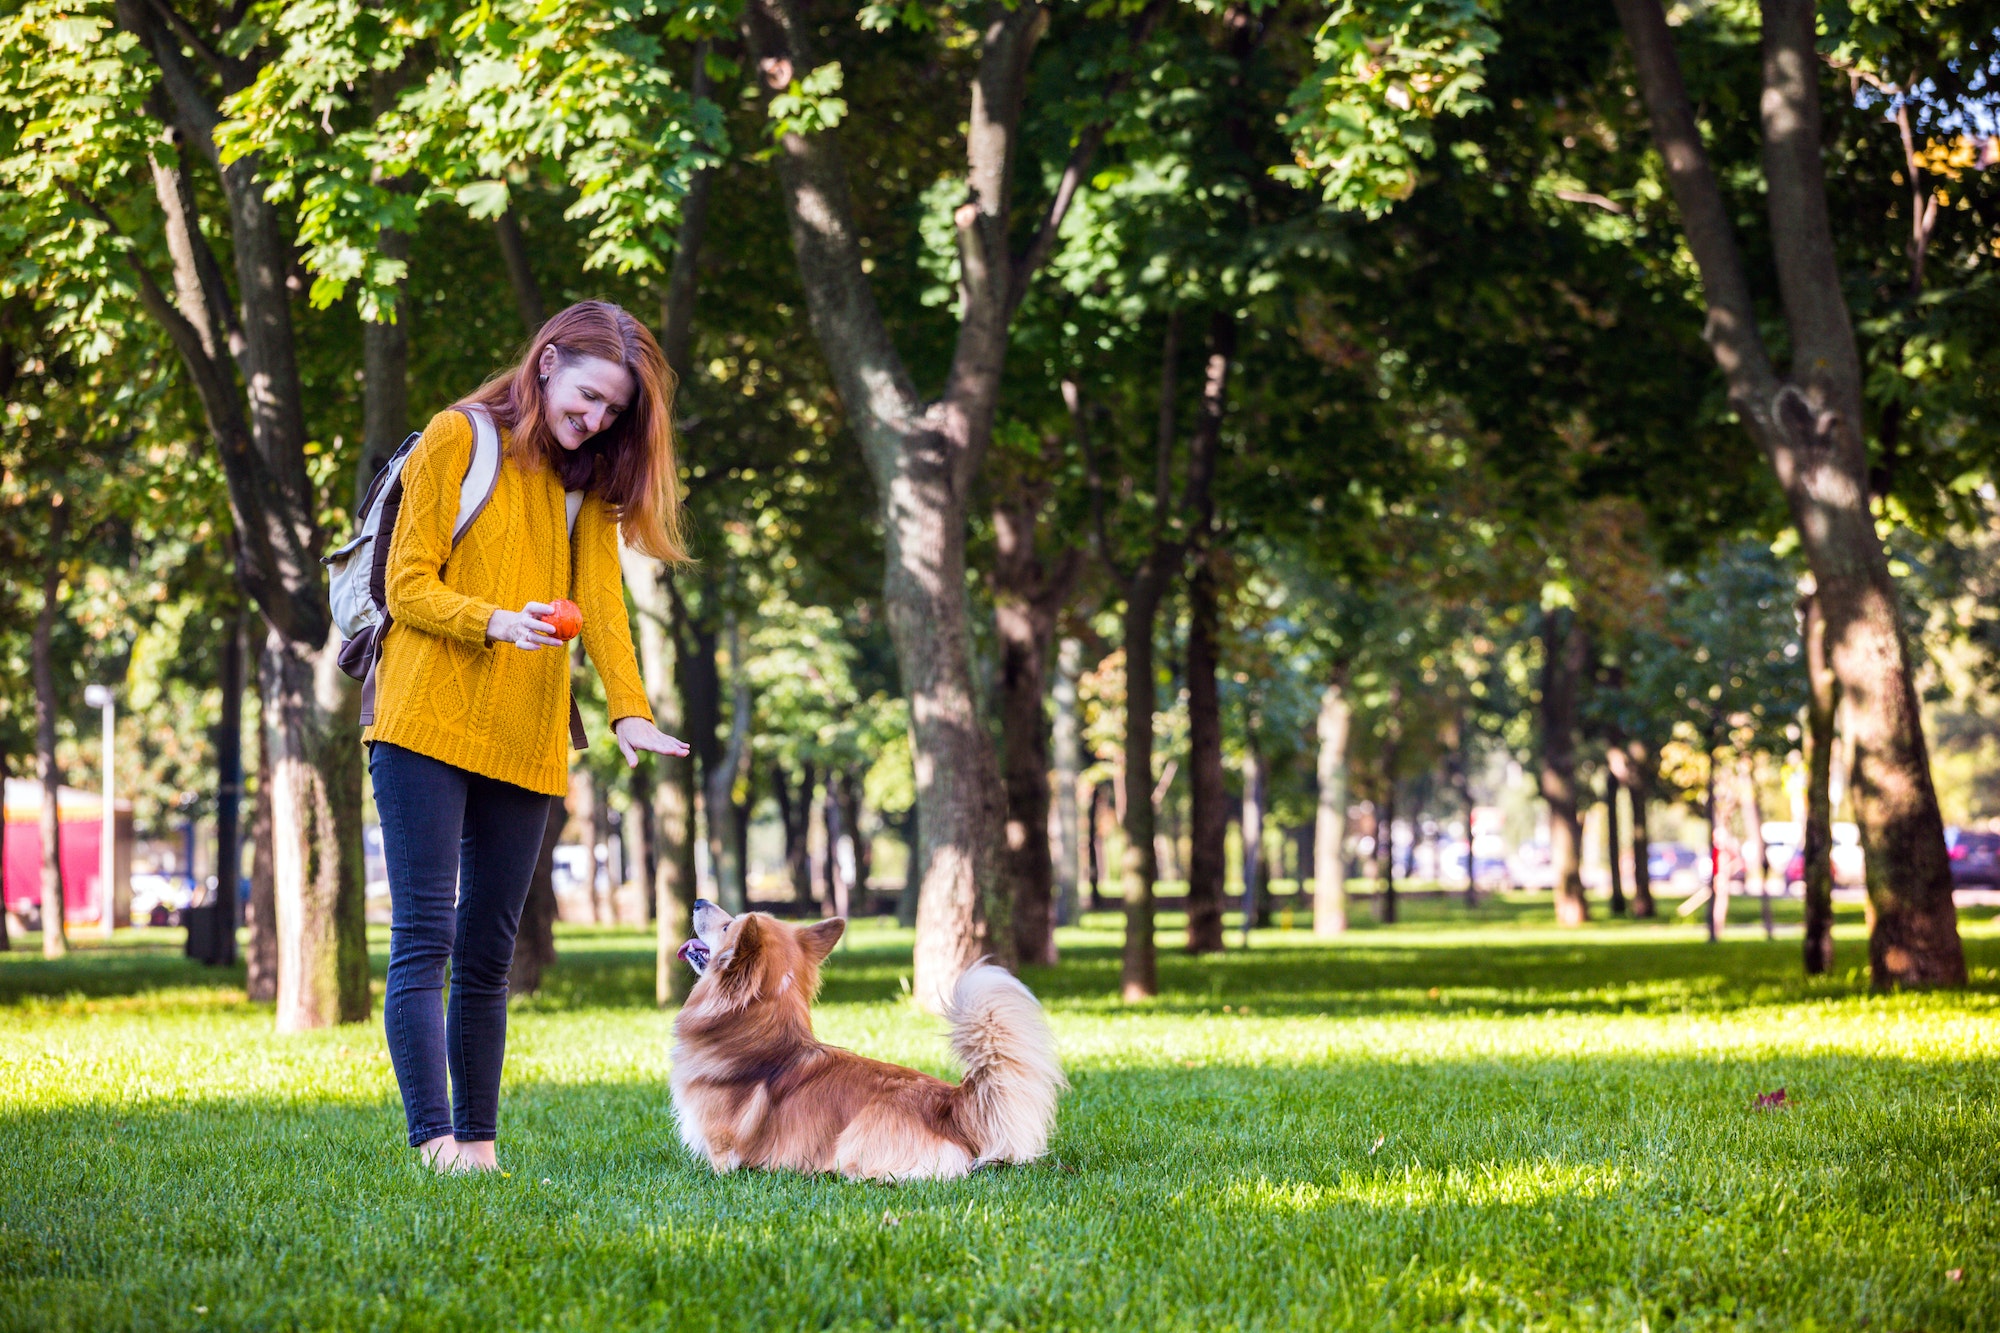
(710, 924)
(695, 954)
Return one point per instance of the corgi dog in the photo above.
(753, 1088)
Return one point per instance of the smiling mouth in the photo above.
(695, 954)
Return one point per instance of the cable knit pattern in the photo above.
(441, 689)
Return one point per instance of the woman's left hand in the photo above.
(636, 734)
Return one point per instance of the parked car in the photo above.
(1671, 863)
(1975, 858)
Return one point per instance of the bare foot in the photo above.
(475, 1156)
(439, 1154)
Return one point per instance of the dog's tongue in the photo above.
(695, 954)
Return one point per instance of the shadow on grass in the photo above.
(1356, 1185)
(1456, 963)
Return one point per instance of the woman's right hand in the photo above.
(524, 628)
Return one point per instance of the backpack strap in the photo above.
(475, 491)
(482, 470)
(579, 739)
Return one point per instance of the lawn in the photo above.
(1468, 1120)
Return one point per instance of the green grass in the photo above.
(1470, 1120)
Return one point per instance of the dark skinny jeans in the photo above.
(461, 849)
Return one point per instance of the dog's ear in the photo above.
(737, 964)
(819, 938)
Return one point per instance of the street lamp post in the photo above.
(100, 698)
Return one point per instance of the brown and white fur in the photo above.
(753, 1088)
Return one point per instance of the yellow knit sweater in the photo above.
(441, 689)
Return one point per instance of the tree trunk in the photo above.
(1069, 764)
(1027, 594)
(1615, 853)
(1563, 653)
(1755, 869)
(535, 941)
(6, 768)
(221, 942)
(261, 961)
(1253, 835)
(1330, 816)
(639, 841)
(720, 784)
(924, 454)
(1138, 969)
(520, 272)
(1385, 845)
(309, 707)
(311, 722)
(660, 623)
(846, 792)
(1632, 764)
(913, 883)
(1810, 427)
(1822, 703)
(837, 891)
(795, 813)
(1208, 803)
(41, 650)
(864, 843)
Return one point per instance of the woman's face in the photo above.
(582, 395)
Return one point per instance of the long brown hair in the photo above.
(632, 462)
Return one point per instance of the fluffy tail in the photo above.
(1007, 1103)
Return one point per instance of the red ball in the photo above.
(565, 618)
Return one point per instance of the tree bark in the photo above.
(720, 783)
(837, 889)
(41, 652)
(261, 960)
(310, 710)
(1385, 844)
(1330, 814)
(1253, 834)
(520, 272)
(311, 719)
(1810, 427)
(845, 792)
(1822, 704)
(660, 625)
(1718, 840)
(221, 943)
(1069, 765)
(1028, 593)
(795, 813)
(1564, 649)
(535, 940)
(1632, 764)
(1208, 803)
(1755, 870)
(1615, 853)
(924, 454)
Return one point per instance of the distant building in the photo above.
(82, 818)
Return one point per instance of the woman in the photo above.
(471, 735)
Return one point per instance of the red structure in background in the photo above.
(81, 813)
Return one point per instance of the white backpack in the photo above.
(357, 570)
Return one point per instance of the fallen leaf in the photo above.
(1380, 1139)
(1772, 1101)
(1954, 1275)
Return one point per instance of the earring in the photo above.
(541, 379)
